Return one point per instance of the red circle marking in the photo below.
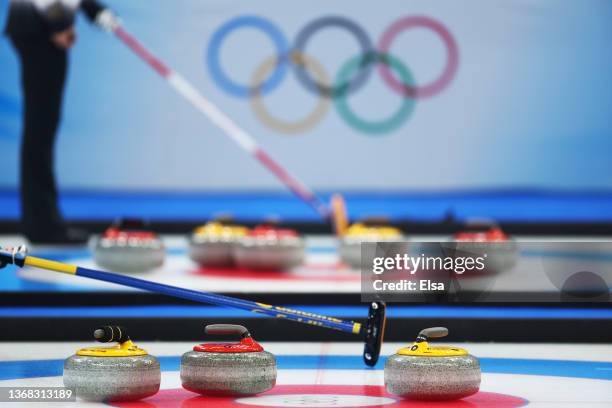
(186, 399)
(452, 61)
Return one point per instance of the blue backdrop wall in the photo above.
(488, 94)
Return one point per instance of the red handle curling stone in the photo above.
(242, 368)
(246, 344)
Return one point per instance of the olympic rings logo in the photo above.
(349, 79)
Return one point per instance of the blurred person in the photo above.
(42, 32)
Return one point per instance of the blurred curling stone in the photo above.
(267, 247)
(486, 237)
(129, 246)
(369, 230)
(213, 244)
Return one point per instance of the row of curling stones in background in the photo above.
(128, 246)
(369, 230)
(423, 372)
(221, 244)
(125, 372)
(486, 237)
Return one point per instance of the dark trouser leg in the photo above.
(43, 75)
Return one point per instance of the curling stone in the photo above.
(486, 237)
(242, 368)
(371, 230)
(124, 372)
(270, 248)
(127, 246)
(213, 244)
(422, 372)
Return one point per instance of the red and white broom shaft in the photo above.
(221, 120)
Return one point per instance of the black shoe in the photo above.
(69, 236)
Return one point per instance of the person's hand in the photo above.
(64, 39)
(107, 20)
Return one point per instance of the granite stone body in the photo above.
(270, 253)
(210, 373)
(349, 248)
(210, 251)
(112, 378)
(129, 256)
(432, 378)
(501, 255)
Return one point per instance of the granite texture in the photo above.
(270, 254)
(228, 373)
(112, 378)
(349, 248)
(212, 251)
(501, 255)
(432, 378)
(128, 256)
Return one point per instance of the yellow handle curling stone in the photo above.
(123, 372)
(423, 372)
(369, 230)
(213, 244)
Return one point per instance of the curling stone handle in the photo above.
(480, 224)
(376, 221)
(108, 334)
(227, 329)
(131, 224)
(432, 333)
(224, 219)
